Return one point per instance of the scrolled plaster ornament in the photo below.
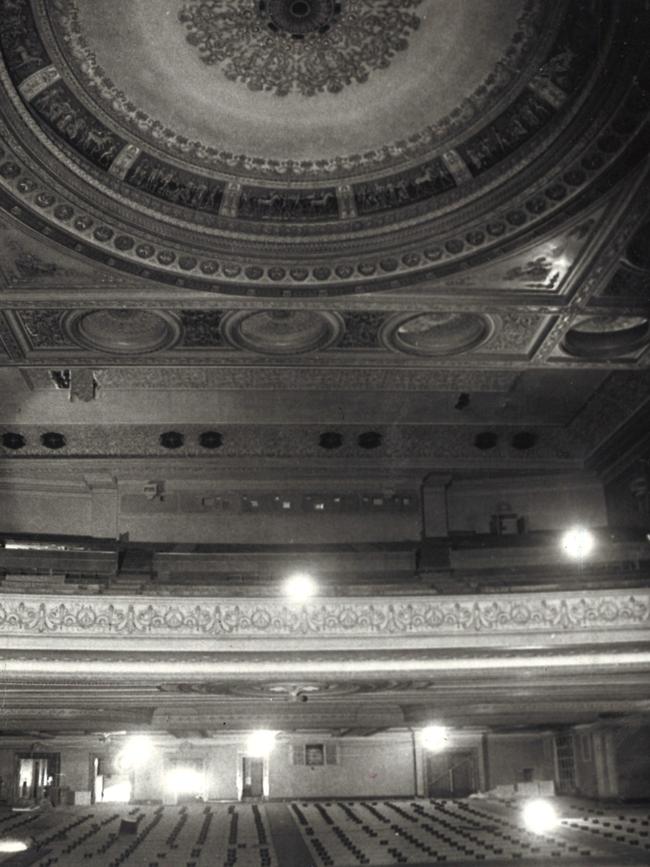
(272, 47)
(225, 619)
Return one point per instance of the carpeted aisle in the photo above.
(290, 847)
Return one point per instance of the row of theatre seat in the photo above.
(335, 833)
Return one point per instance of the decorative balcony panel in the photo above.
(219, 624)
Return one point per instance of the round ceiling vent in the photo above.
(53, 440)
(437, 334)
(299, 17)
(369, 440)
(123, 332)
(171, 439)
(607, 336)
(282, 332)
(13, 440)
(485, 440)
(330, 439)
(211, 439)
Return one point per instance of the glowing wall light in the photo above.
(299, 587)
(435, 738)
(136, 752)
(540, 816)
(120, 793)
(182, 781)
(260, 743)
(578, 543)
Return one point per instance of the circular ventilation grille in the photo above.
(369, 440)
(13, 441)
(331, 439)
(523, 440)
(52, 440)
(171, 439)
(485, 440)
(437, 334)
(211, 439)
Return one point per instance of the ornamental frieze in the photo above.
(226, 619)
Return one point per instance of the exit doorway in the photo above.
(37, 774)
(254, 777)
(452, 774)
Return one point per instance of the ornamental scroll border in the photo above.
(225, 619)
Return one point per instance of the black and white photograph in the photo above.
(324, 433)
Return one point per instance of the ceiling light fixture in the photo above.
(435, 738)
(578, 543)
(260, 743)
(300, 587)
(136, 752)
(10, 845)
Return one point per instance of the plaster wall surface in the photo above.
(508, 756)
(547, 503)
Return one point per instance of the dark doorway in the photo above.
(452, 774)
(253, 777)
(37, 775)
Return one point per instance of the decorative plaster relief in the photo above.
(222, 619)
(276, 49)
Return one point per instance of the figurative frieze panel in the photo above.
(63, 113)
(259, 203)
(21, 44)
(405, 188)
(180, 187)
(519, 123)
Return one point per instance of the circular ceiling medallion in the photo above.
(436, 334)
(282, 332)
(607, 336)
(299, 17)
(290, 691)
(329, 44)
(123, 332)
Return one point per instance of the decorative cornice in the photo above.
(224, 619)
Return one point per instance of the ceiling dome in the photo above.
(308, 148)
(437, 334)
(219, 84)
(282, 332)
(129, 332)
(607, 336)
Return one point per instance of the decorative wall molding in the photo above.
(224, 619)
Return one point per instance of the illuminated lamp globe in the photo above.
(260, 743)
(184, 781)
(578, 543)
(300, 587)
(11, 846)
(135, 753)
(435, 738)
(540, 816)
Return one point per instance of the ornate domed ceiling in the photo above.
(309, 147)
